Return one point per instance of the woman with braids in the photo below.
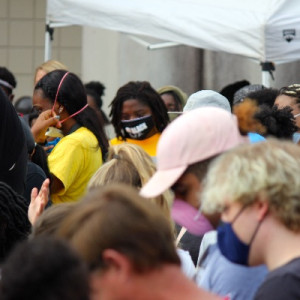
(139, 116)
(60, 99)
(14, 223)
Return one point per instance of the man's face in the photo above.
(245, 221)
(187, 189)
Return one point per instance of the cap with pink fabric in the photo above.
(192, 137)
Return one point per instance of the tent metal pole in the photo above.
(48, 38)
(265, 79)
(267, 69)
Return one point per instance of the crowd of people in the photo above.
(196, 197)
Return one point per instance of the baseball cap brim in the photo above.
(161, 181)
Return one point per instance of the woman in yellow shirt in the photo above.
(138, 116)
(61, 100)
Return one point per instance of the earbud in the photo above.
(60, 109)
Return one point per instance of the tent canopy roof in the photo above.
(267, 30)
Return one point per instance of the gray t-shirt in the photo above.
(282, 283)
(220, 276)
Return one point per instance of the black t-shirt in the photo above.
(282, 283)
(35, 178)
(13, 149)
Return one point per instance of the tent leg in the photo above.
(267, 69)
(266, 79)
(48, 41)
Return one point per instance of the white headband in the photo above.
(6, 84)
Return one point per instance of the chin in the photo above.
(255, 261)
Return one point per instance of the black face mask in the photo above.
(139, 128)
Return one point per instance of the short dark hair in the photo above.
(9, 77)
(264, 96)
(200, 168)
(96, 90)
(116, 217)
(146, 94)
(44, 268)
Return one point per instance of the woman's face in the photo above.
(283, 101)
(133, 109)
(40, 103)
(171, 103)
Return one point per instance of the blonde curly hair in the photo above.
(269, 169)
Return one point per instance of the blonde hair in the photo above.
(269, 169)
(130, 164)
(49, 66)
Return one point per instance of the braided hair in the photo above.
(292, 90)
(144, 93)
(14, 223)
(73, 97)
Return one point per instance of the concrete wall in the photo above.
(114, 59)
(221, 69)
(22, 28)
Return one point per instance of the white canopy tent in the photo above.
(267, 31)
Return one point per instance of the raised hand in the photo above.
(38, 201)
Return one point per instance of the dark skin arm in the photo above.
(56, 185)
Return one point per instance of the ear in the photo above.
(117, 264)
(262, 206)
(113, 279)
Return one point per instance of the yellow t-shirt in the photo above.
(74, 160)
(149, 145)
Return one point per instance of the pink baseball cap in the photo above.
(193, 137)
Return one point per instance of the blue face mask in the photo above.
(231, 246)
(296, 137)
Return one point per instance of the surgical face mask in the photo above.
(192, 219)
(296, 137)
(231, 246)
(54, 132)
(297, 115)
(139, 128)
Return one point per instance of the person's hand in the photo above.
(38, 201)
(45, 120)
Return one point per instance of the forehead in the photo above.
(168, 98)
(39, 100)
(284, 100)
(132, 105)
